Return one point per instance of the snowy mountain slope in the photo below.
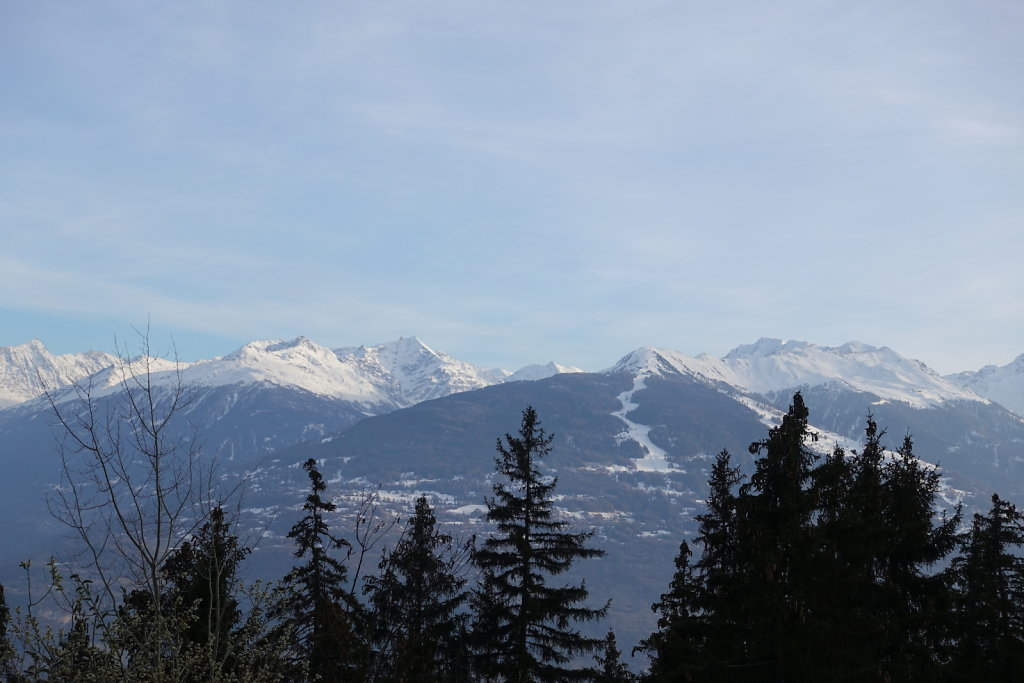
(29, 369)
(382, 377)
(1002, 384)
(408, 371)
(771, 365)
(532, 373)
(298, 363)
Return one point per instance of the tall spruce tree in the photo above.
(850, 534)
(526, 629)
(988, 575)
(719, 626)
(702, 620)
(322, 606)
(774, 514)
(915, 599)
(679, 650)
(418, 628)
(610, 667)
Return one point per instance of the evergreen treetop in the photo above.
(989, 610)
(322, 607)
(418, 625)
(528, 622)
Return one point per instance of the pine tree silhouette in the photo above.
(525, 626)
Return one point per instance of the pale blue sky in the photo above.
(515, 182)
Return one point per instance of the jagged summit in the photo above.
(774, 365)
(29, 369)
(409, 371)
(655, 361)
(385, 376)
(298, 363)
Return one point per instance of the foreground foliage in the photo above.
(827, 568)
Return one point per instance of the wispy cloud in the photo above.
(982, 131)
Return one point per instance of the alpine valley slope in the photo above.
(633, 444)
(242, 406)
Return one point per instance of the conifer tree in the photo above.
(775, 509)
(529, 622)
(989, 578)
(816, 569)
(199, 605)
(610, 668)
(321, 620)
(418, 629)
(915, 598)
(702, 620)
(679, 648)
(850, 534)
(202, 577)
(718, 622)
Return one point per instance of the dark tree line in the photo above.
(840, 568)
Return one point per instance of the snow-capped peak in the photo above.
(29, 369)
(396, 374)
(530, 373)
(1003, 384)
(298, 363)
(653, 361)
(774, 365)
(765, 346)
(409, 371)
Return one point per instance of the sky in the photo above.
(515, 183)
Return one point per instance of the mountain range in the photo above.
(407, 371)
(633, 446)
